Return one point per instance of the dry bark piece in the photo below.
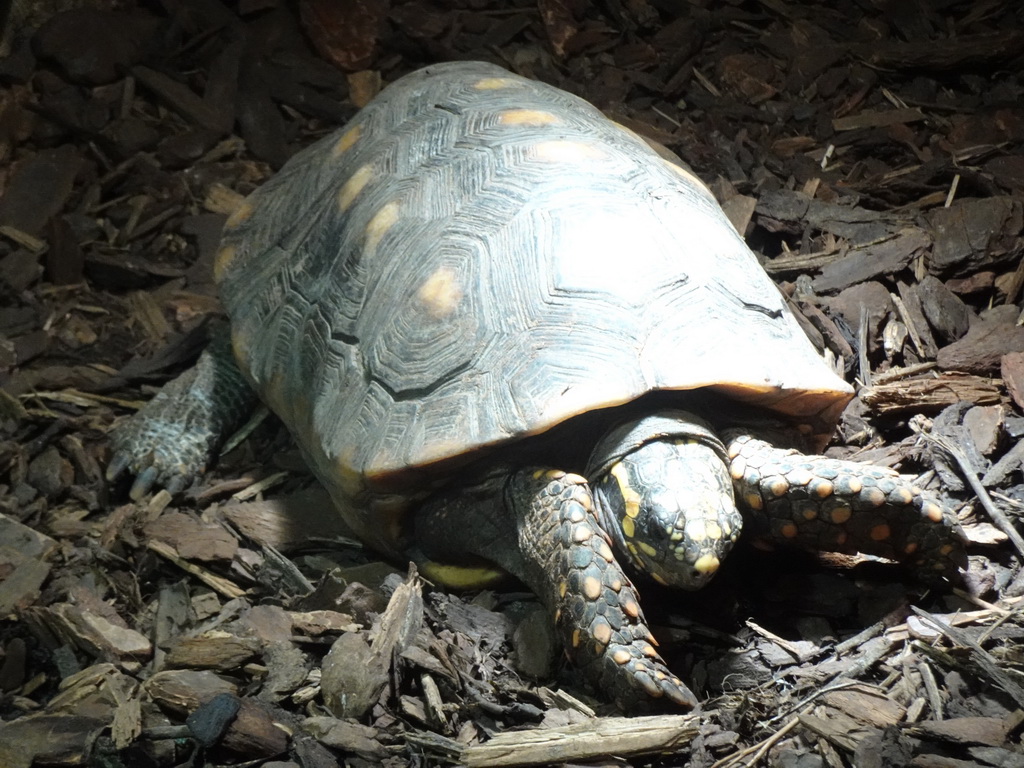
(984, 423)
(20, 587)
(929, 393)
(50, 473)
(94, 47)
(991, 731)
(973, 233)
(182, 690)
(908, 304)
(96, 635)
(354, 672)
(559, 23)
(255, 732)
(38, 188)
(621, 736)
(289, 521)
(193, 539)
(950, 54)
(212, 650)
(878, 119)
(887, 257)
(346, 735)
(48, 739)
(1011, 367)
(871, 295)
(981, 351)
(345, 33)
(976, 283)
(946, 313)
(749, 76)
(181, 99)
(351, 679)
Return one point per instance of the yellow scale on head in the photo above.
(629, 496)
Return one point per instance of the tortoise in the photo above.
(511, 338)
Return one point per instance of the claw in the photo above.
(143, 483)
(118, 464)
(176, 485)
(678, 693)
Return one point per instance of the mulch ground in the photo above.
(872, 152)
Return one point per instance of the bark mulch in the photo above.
(871, 151)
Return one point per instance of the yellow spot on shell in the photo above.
(706, 564)
(591, 588)
(348, 138)
(222, 260)
(629, 496)
(241, 214)
(840, 515)
(441, 293)
(621, 657)
(880, 532)
(530, 117)
(687, 176)
(351, 188)
(378, 226)
(493, 83)
(565, 151)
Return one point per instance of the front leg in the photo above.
(540, 526)
(841, 506)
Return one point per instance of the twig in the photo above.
(951, 451)
(980, 656)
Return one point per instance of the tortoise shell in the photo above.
(477, 257)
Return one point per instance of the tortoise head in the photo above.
(665, 496)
